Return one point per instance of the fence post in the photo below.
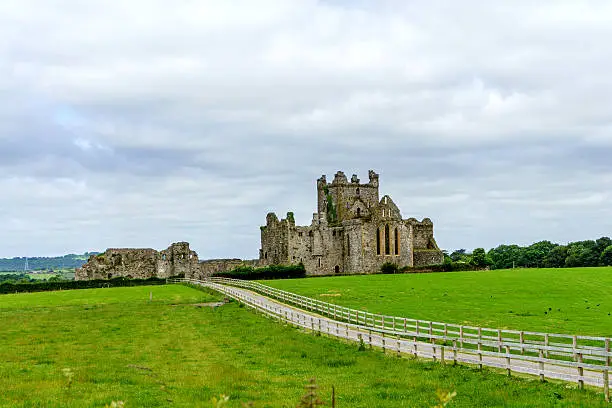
(574, 345)
(347, 330)
(461, 336)
(541, 365)
(319, 319)
(479, 354)
(454, 352)
(546, 343)
(606, 380)
(522, 338)
(399, 346)
(416, 353)
(431, 334)
(499, 341)
(404, 325)
(608, 351)
(383, 342)
(442, 355)
(393, 323)
(370, 338)
(580, 372)
(508, 365)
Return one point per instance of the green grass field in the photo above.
(168, 353)
(574, 301)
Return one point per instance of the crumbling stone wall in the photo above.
(352, 232)
(212, 266)
(137, 263)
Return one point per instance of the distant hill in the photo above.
(69, 261)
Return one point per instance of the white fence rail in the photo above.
(580, 359)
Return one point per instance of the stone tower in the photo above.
(353, 231)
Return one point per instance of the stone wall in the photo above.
(138, 263)
(124, 262)
(424, 257)
(212, 266)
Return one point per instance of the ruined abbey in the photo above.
(353, 231)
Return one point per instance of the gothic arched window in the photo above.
(397, 243)
(378, 241)
(387, 241)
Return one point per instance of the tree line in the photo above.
(543, 254)
(70, 261)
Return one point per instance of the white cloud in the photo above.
(138, 123)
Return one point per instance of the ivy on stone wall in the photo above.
(332, 215)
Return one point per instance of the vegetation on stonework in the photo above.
(389, 267)
(291, 217)
(57, 284)
(115, 347)
(332, 215)
(572, 300)
(543, 254)
(267, 272)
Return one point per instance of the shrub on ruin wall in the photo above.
(267, 272)
(445, 267)
(66, 285)
(389, 268)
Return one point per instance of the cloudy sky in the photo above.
(139, 123)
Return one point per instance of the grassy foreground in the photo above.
(116, 345)
(576, 300)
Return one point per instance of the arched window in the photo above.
(378, 241)
(397, 243)
(387, 242)
(319, 262)
(337, 269)
(348, 245)
(358, 212)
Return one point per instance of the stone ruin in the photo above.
(143, 263)
(353, 231)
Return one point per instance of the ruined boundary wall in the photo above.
(140, 263)
(143, 263)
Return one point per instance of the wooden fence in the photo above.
(580, 359)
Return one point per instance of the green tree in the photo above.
(459, 255)
(555, 258)
(533, 256)
(582, 253)
(505, 256)
(480, 258)
(606, 256)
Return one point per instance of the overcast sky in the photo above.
(140, 123)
